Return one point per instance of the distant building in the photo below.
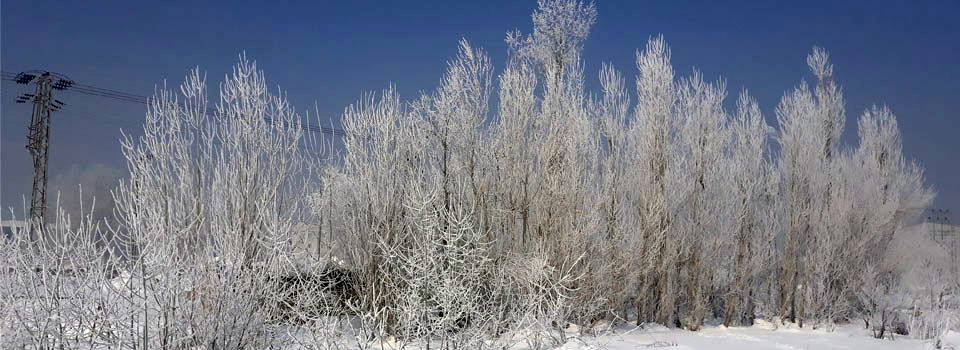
(937, 222)
(947, 236)
(941, 231)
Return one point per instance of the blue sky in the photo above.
(904, 54)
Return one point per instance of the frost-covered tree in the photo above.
(210, 208)
(514, 177)
(889, 183)
(842, 207)
(748, 245)
(887, 195)
(560, 28)
(452, 116)
(617, 223)
(560, 167)
(652, 132)
(702, 142)
(380, 156)
(811, 123)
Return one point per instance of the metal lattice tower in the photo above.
(38, 134)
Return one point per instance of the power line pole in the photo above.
(38, 136)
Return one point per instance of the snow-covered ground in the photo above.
(760, 337)
(763, 336)
(750, 338)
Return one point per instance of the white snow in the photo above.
(749, 338)
(762, 336)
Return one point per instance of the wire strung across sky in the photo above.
(140, 99)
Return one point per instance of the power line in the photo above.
(140, 99)
(102, 119)
(120, 122)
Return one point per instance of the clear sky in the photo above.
(326, 53)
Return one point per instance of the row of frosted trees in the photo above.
(661, 206)
(448, 222)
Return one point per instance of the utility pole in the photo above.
(38, 136)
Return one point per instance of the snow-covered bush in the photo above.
(443, 270)
(204, 229)
(213, 200)
(56, 290)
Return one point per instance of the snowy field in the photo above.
(750, 338)
(719, 338)
(761, 336)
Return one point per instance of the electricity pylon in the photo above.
(38, 135)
